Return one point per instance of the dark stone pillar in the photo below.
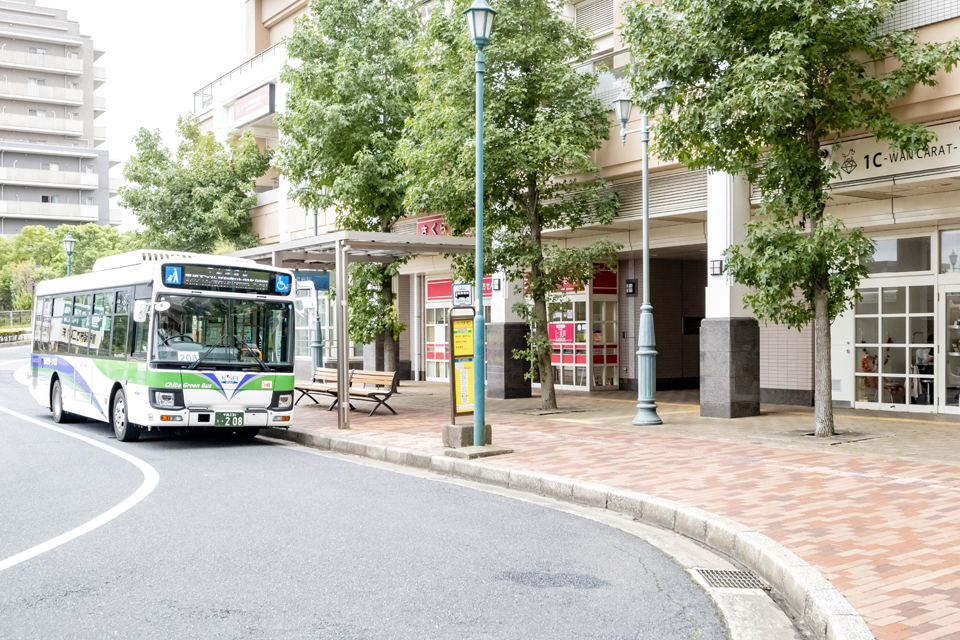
(729, 367)
(505, 374)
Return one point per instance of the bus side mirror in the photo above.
(141, 310)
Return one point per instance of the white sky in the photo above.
(157, 55)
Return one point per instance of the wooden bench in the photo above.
(384, 385)
(327, 388)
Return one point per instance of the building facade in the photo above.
(52, 170)
(899, 349)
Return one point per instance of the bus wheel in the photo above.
(248, 432)
(56, 404)
(125, 431)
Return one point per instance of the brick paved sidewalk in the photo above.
(884, 531)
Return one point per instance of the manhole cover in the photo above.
(727, 579)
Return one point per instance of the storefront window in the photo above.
(949, 250)
(899, 255)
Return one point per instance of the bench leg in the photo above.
(304, 393)
(332, 406)
(384, 403)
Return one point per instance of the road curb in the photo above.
(820, 609)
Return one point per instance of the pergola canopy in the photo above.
(318, 253)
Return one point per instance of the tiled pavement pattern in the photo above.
(877, 512)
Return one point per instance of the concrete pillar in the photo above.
(729, 335)
(505, 333)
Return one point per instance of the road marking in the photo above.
(150, 480)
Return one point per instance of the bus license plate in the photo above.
(229, 419)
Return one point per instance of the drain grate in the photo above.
(726, 579)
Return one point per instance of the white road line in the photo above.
(150, 480)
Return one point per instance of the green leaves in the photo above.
(783, 267)
(351, 92)
(197, 198)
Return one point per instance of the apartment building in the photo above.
(52, 169)
(898, 350)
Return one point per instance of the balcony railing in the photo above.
(40, 124)
(49, 210)
(99, 103)
(116, 217)
(203, 98)
(41, 178)
(35, 93)
(34, 61)
(99, 134)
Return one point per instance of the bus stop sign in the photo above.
(463, 295)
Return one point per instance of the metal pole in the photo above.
(316, 345)
(343, 338)
(479, 338)
(316, 214)
(68, 265)
(646, 343)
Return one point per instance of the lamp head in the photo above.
(622, 106)
(68, 244)
(480, 22)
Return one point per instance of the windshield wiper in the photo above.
(223, 336)
(252, 352)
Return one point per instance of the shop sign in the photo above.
(461, 361)
(559, 332)
(256, 104)
(432, 226)
(866, 160)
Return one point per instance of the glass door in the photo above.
(949, 349)
(895, 357)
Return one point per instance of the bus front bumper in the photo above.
(228, 418)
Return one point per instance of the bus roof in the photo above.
(136, 267)
(144, 256)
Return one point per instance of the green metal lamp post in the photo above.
(480, 17)
(646, 339)
(68, 243)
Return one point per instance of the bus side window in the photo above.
(141, 335)
(40, 323)
(119, 341)
(61, 324)
(123, 301)
(80, 336)
(100, 324)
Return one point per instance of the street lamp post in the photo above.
(480, 17)
(68, 243)
(646, 339)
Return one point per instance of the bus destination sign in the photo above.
(228, 279)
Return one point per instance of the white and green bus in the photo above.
(170, 341)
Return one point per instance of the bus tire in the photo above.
(122, 427)
(248, 432)
(56, 404)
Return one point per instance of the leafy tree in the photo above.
(198, 196)
(36, 254)
(541, 125)
(755, 88)
(350, 93)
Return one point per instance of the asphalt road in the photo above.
(243, 539)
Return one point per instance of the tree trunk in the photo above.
(390, 346)
(823, 377)
(548, 392)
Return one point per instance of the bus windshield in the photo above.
(201, 331)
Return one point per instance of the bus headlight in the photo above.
(165, 399)
(282, 401)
